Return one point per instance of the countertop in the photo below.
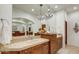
(23, 44)
(50, 34)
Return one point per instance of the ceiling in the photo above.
(28, 7)
(55, 7)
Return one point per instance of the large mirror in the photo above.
(21, 27)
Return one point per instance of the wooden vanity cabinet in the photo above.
(55, 43)
(33, 50)
(41, 49)
(38, 49)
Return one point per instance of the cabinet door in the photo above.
(36, 49)
(54, 46)
(45, 48)
(59, 42)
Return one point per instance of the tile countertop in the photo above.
(21, 45)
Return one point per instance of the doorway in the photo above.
(65, 32)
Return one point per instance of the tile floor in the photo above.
(69, 50)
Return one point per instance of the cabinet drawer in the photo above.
(53, 46)
(45, 49)
(36, 49)
(41, 49)
(26, 51)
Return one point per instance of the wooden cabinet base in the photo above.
(55, 43)
(41, 49)
(10, 52)
(38, 49)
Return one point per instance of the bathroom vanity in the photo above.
(34, 46)
(47, 44)
(55, 42)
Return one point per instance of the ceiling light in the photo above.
(48, 9)
(32, 9)
(56, 6)
(46, 15)
(75, 8)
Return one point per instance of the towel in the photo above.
(5, 32)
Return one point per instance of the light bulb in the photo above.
(32, 9)
(48, 9)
